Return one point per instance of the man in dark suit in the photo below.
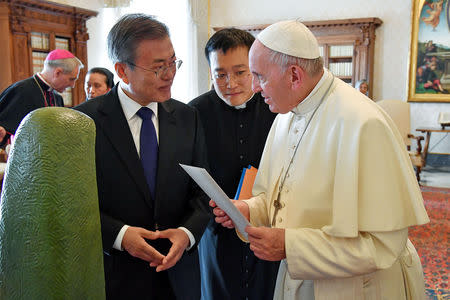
(236, 123)
(61, 70)
(140, 218)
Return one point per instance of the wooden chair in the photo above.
(399, 112)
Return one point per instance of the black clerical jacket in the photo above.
(19, 99)
(235, 138)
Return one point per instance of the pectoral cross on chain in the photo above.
(277, 205)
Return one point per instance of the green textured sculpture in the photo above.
(50, 240)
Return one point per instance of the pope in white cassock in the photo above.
(335, 192)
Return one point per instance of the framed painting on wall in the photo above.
(429, 72)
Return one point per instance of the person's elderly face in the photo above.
(142, 84)
(363, 88)
(231, 76)
(62, 80)
(270, 81)
(95, 85)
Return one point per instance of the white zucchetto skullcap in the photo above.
(291, 38)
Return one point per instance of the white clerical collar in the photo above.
(314, 98)
(50, 88)
(130, 107)
(240, 106)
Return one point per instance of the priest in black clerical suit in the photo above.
(236, 124)
(61, 70)
(235, 137)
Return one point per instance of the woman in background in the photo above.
(363, 86)
(98, 82)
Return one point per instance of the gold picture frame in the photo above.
(429, 66)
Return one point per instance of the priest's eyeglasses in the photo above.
(162, 70)
(224, 78)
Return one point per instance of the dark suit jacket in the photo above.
(125, 197)
(19, 99)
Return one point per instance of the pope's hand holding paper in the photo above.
(212, 189)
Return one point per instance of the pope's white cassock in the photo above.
(347, 201)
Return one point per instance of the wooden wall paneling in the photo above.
(80, 44)
(6, 47)
(21, 56)
(52, 39)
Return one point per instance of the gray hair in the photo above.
(129, 31)
(310, 66)
(66, 64)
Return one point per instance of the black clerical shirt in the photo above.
(235, 138)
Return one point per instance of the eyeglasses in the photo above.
(224, 78)
(162, 70)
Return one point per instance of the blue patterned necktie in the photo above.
(148, 148)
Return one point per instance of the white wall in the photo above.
(391, 46)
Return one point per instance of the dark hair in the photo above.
(129, 31)
(108, 74)
(228, 38)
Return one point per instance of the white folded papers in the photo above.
(213, 190)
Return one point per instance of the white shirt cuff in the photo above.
(118, 242)
(191, 238)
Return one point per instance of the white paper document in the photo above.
(213, 190)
